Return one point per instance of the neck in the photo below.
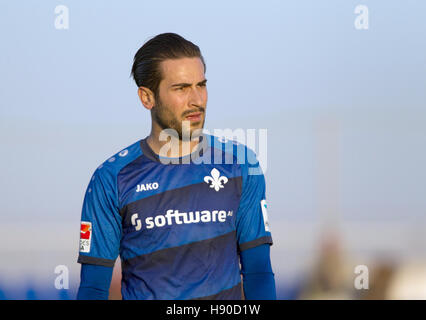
(178, 148)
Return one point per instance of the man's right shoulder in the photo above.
(115, 163)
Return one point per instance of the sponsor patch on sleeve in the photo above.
(85, 236)
(265, 214)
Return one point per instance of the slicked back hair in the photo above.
(146, 69)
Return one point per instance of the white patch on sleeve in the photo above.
(265, 214)
(85, 236)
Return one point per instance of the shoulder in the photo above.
(242, 154)
(226, 145)
(112, 166)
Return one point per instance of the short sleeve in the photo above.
(252, 220)
(100, 229)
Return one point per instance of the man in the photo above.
(181, 221)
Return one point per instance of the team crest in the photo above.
(215, 181)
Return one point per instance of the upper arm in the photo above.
(251, 221)
(100, 221)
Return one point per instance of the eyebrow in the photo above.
(187, 84)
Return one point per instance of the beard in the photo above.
(165, 118)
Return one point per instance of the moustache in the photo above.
(184, 114)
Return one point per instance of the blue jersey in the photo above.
(178, 227)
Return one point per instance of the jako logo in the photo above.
(147, 186)
(174, 216)
(216, 180)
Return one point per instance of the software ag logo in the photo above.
(176, 217)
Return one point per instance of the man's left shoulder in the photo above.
(230, 147)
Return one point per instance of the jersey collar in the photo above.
(150, 154)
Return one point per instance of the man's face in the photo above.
(182, 95)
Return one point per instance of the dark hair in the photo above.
(146, 69)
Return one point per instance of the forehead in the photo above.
(182, 70)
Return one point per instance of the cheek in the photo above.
(177, 105)
(173, 101)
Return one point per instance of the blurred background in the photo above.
(340, 87)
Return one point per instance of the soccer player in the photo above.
(186, 211)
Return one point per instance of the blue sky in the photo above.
(269, 66)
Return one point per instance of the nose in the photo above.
(197, 97)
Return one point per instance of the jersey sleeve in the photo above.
(252, 224)
(101, 229)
